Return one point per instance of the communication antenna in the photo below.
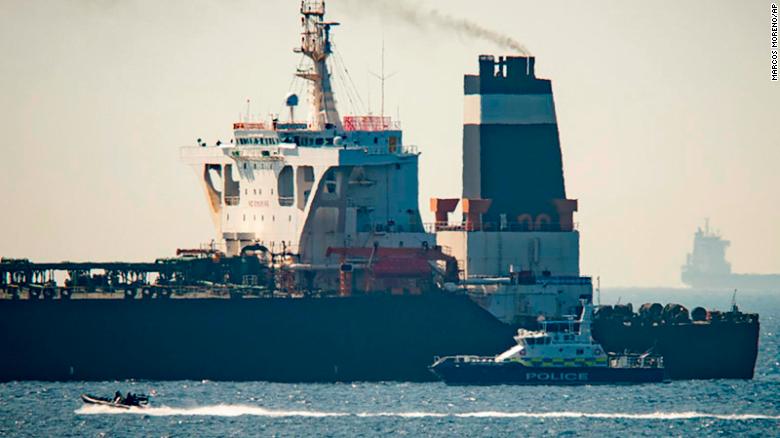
(246, 117)
(382, 78)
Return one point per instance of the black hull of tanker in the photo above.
(359, 338)
(454, 372)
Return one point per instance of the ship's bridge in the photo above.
(374, 134)
(302, 189)
(254, 133)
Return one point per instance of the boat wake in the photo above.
(240, 410)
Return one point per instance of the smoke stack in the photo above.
(511, 149)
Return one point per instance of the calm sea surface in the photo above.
(188, 408)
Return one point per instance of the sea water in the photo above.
(205, 408)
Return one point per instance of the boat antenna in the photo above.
(734, 301)
(246, 117)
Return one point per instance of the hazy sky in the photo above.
(665, 110)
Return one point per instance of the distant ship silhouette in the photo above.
(707, 267)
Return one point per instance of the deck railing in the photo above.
(432, 227)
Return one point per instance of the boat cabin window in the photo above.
(580, 351)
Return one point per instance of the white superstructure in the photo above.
(298, 188)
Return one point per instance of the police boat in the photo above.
(560, 353)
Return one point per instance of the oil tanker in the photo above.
(706, 267)
(322, 269)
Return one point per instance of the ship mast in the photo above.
(315, 44)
